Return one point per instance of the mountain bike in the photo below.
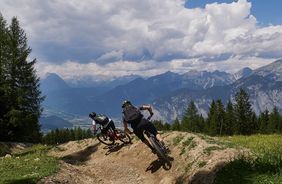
(110, 137)
(160, 149)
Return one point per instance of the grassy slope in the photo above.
(265, 168)
(28, 166)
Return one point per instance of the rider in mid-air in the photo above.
(133, 116)
(102, 120)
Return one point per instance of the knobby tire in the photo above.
(101, 137)
(124, 137)
(158, 149)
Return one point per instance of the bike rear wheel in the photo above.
(123, 136)
(105, 139)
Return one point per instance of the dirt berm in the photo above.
(195, 158)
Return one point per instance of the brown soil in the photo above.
(194, 159)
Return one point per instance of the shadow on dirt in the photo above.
(158, 163)
(82, 156)
(114, 148)
(21, 181)
(201, 176)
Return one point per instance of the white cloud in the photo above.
(139, 34)
(74, 70)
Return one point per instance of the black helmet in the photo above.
(126, 102)
(92, 114)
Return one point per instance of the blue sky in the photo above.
(103, 39)
(266, 11)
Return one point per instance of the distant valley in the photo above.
(169, 93)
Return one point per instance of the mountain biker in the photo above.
(134, 117)
(102, 120)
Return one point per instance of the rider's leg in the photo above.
(145, 141)
(158, 136)
(139, 133)
(152, 129)
(112, 125)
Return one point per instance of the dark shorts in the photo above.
(111, 125)
(144, 125)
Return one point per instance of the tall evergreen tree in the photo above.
(230, 119)
(274, 121)
(243, 113)
(190, 119)
(23, 88)
(175, 125)
(220, 118)
(167, 126)
(263, 121)
(158, 124)
(3, 85)
(254, 123)
(211, 124)
(201, 123)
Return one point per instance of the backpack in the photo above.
(131, 114)
(101, 119)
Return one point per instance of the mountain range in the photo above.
(169, 93)
(263, 85)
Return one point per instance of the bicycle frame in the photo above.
(110, 133)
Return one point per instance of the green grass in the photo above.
(188, 166)
(212, 140)
(28, 166)
(176, 140)
(189, 143)
(265, 167)
(208, 150)
(202, 164)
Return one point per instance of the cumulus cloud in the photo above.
(155, 34)
(73, 69)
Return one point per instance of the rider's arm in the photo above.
(125, 125)
(148, 108)
(94, 127)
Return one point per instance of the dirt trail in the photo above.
(194, 159)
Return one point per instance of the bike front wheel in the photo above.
(160, 152)
(105, 139)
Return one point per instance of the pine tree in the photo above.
(78, 133)
(23, 88)
(243, 113)
(230, 119)
(220, 118)
(167, 126)
(263, 121)
(201, 123)
(274, 121)
(255, 126)
(211, 125)
(3, 85)
(190, 119)
(89, 133)
(158, 124)
(175, 125)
